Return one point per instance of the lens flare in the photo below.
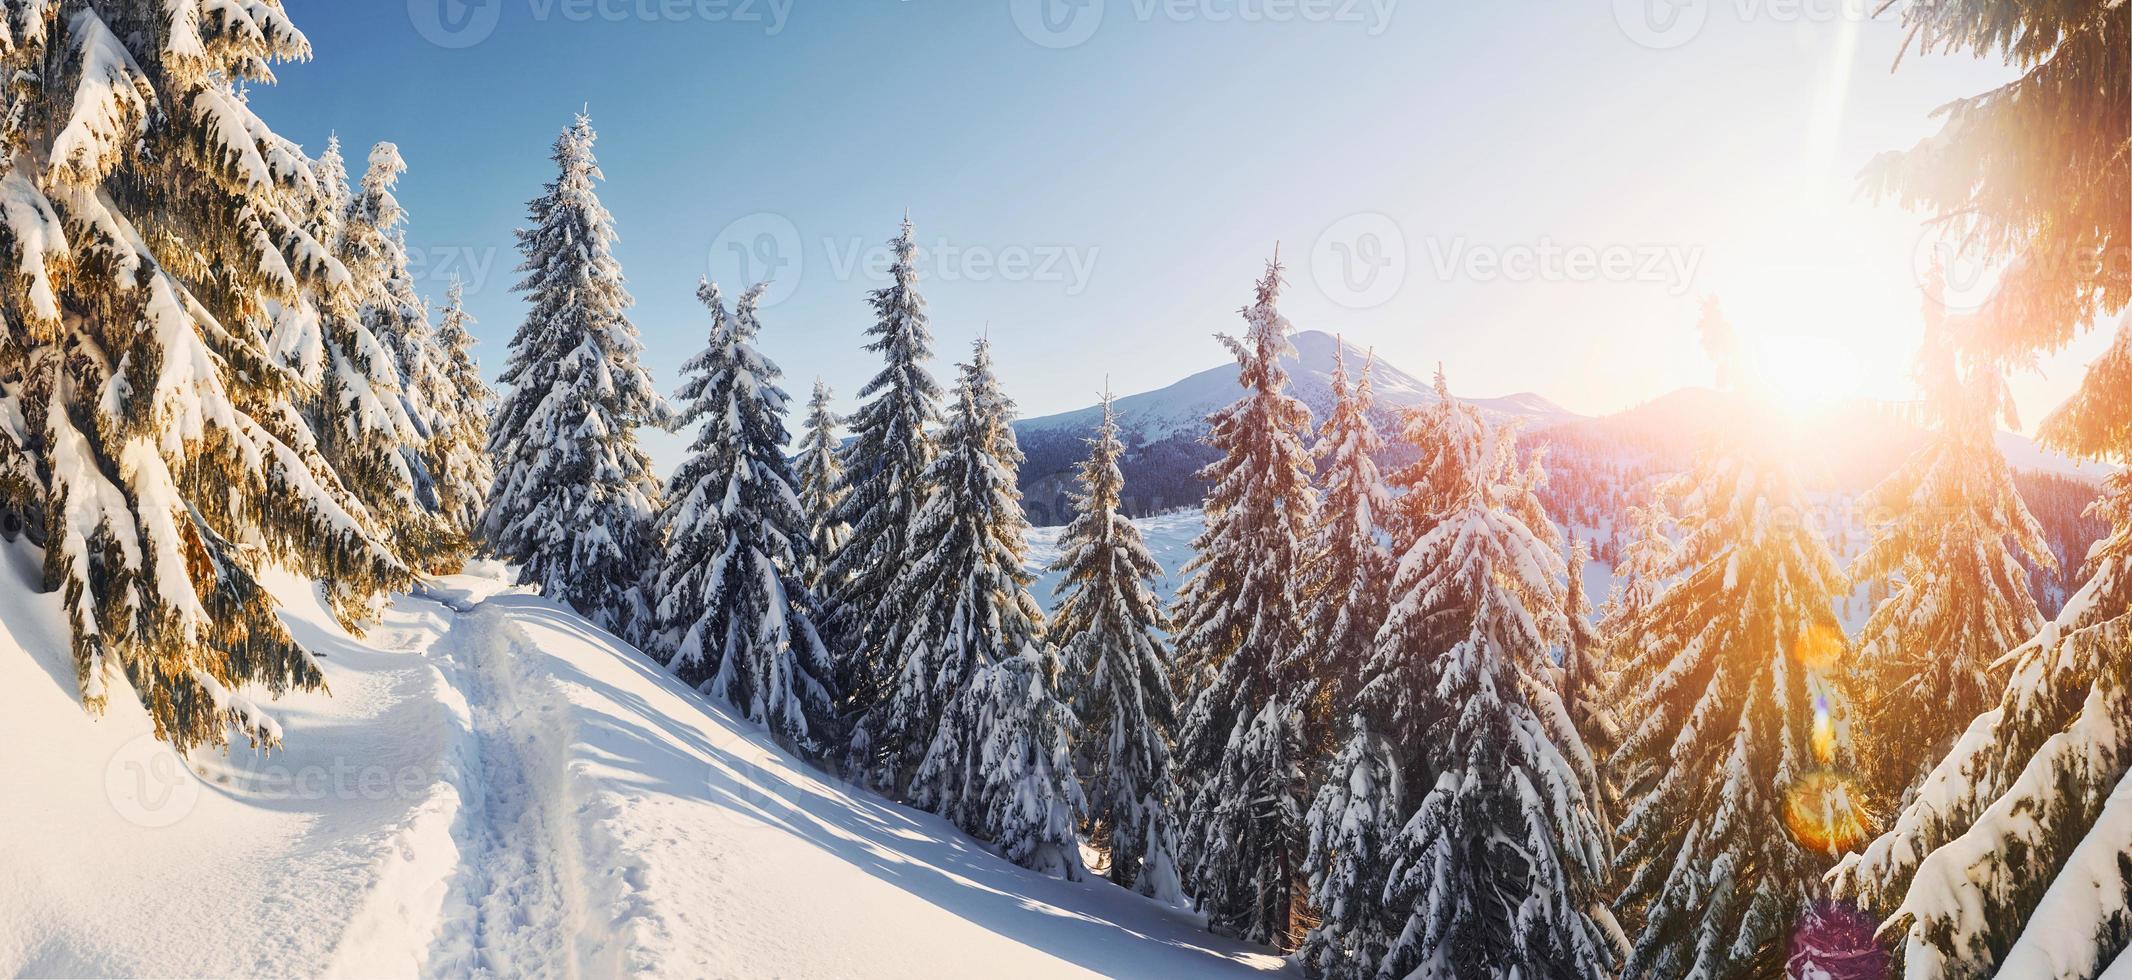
(1835, 941)
(1824, 731)
(1820, 648)
(1824, 814)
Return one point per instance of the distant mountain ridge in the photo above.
(1163, 429)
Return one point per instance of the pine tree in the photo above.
(1002, 763)
(2032, 173)
(574, 495)
(821, 487)
(1498, 870)
(1352, 816)
(1639, 578)
(974, 728)
(1431, 429)
(1349, 576)
(358, 409)
(153, 225)
(1586, 680)
(2010, 860)
(1352, 823)
(394, 314)
(1110, 627)
(1954, 548)
(885, 484)
(1734, 764)
(459, 448)
(1237, 620)
(733, 615)
(962, 602)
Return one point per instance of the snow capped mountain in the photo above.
(1183, 406)
(1162, 429)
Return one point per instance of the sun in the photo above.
(1802, 374)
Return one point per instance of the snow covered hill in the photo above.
(496, 787)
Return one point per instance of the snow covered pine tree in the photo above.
(393, 313)
(1238, 619)
(1348, 581)
(152, 226)
(1110, 625)
(976, 683)
(821, 487)
(1498, 871)
(733, 617)
(2012, 859)
(352, 388)
(574, 495)
(1349, 576)
(1735, 766)
(1955, 545)
(459, 447)
(885, 484)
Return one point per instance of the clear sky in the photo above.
(1535, 193)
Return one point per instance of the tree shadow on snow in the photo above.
(748, 774)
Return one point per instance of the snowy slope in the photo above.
(496, 786)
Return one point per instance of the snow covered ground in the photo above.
(497, 787)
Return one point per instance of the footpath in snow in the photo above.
(496, 787)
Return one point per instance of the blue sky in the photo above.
(1102, 197)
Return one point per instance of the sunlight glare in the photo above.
(1802, 374)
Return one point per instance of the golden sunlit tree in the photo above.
(1733, 761)
(1953, 543)
(2011, 858)
(154, 232)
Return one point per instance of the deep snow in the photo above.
(496, 786)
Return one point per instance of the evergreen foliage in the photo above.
(1498, 870)
(155, 228)
(733, 616)
(1735, 761)
(886, 482)
(1954, 547)
(821, 487)
(1238, 619)
(1109, 625)
(574, 496)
